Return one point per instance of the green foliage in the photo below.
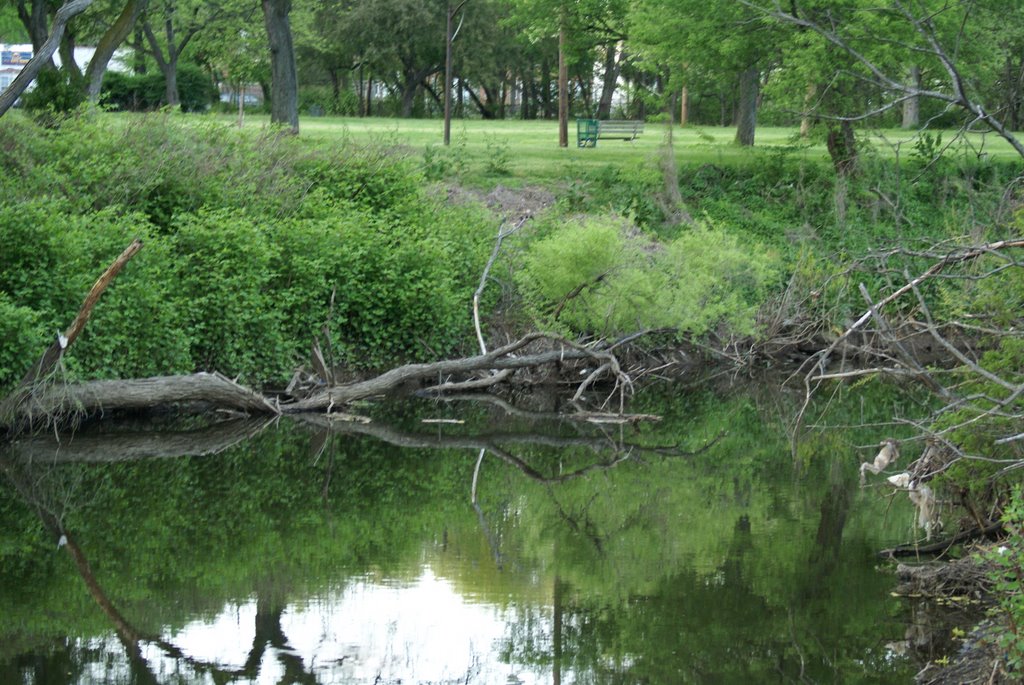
(322, 99)
(253, 243)
(600, 276)
(144, 92)
(196, 90)
(56, 94)
(499, 157)
(22, 335)
(1008, 578)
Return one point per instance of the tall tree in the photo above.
(284, 104)
(110, 40)
(706, 45)
(171, 26)
(43, 55)
(867, 48)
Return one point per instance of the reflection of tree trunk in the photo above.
(270, 633)
(557, 598)
(835, 505)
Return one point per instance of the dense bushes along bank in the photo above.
(252, 246)
(255, 242)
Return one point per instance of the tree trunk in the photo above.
(114, 36)
(170, 70)
(35, 25)
(842, 148)
(67, 58)
(746, 116)
(912, 106)
(684, 106)
(139, 50)
(168, 65)
(284, 83)
(805, 120)
(450, 15)
(41, 57)
(563, 90)
(610, 81)
(409, 88)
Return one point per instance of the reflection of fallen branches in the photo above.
(488, 441)
(942, 546)
(126, 446)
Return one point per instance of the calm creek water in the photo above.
(692, 550)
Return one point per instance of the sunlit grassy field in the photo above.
(528, 152)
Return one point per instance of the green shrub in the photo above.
(600, 276)
(322, 99)
(1008, 579)
(56, 94)
(24, 339)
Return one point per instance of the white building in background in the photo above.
(14, 57)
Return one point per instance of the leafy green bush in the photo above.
(601, 276)
(1008, 579)
(346, 104)
(253, 243)
(22, 338)
(144, 92)
(56, 94)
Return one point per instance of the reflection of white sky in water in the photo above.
(418, 632)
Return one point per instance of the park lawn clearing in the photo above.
(533, 155)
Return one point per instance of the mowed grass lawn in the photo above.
(526, 152)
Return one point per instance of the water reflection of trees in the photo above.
(633, 544)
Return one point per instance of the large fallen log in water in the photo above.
(97, 397)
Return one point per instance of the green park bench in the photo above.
(588, 131)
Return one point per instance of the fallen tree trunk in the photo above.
(500, 359)
(98, 397)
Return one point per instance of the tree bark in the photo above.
(609, 82)
(144, 393)
(168, 65)
(563, 89)
(746, 116)
(114, 36)
(284, 83)
(842, 148)
(42, 55)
